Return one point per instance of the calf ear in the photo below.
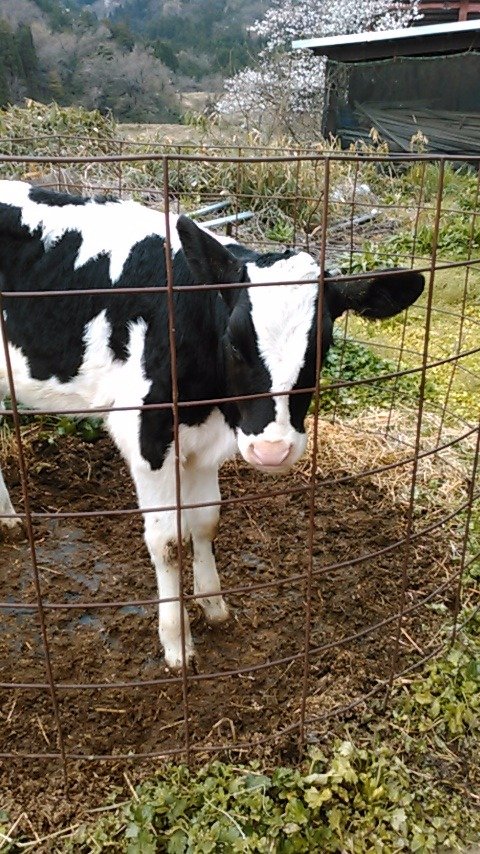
(378, 297)
(209, 261)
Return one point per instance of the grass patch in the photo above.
(449, 335)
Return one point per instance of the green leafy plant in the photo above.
(348, 361)
(88, 429)
(459, 181)
(353, 800)
(372, 256)
(52, 427)
(447, 697)
(281, 231)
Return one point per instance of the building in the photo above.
(447, 11)
(402, 82)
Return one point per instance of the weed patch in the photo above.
(354, 800)
(350, 362)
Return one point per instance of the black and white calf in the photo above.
(87, 351)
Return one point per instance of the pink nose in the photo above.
(270, 453)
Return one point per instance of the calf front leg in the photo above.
(11, 526)
(201, 485)
(156, 488)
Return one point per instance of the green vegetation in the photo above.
(88, 429)
(44, 121)
(460, 380)
(58, 16)
(196, 39)
(459, 227)
(412, 244)
(458, 238)
(18, 62)
(67, 54)
(348, 361)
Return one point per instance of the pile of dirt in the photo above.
(102, 559)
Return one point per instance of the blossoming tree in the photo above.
(286, 84)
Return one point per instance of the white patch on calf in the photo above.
(92, 386)
(14, 193)
(207, 445)
(129, 388)
(282, 316)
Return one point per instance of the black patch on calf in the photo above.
(53, 198)
(50, 330)
(246, 371)
(384, 294)
(144, 268)
(271, 258)
(12, 230)
(299, 403)
(200, 319)
(250, 256)
(210, 262)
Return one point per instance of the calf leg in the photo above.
(13, 528)
(202, 486)
(10, 528)
(156, 488)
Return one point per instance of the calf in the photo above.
(99, 350)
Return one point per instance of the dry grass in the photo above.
(380, 444)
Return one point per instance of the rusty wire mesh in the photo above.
(297, 656)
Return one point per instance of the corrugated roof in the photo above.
(434, 39)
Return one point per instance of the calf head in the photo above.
(270, 337)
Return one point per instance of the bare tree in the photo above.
(93, 71)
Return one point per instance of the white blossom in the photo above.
(284, 82)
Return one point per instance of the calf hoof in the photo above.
(12, 531)
(174, 658)
(215, 610)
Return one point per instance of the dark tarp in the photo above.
(445, 130)
(439, 96)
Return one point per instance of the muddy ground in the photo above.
(100, 559)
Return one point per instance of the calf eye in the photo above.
(236, 352)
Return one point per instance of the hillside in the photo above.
(206, 37)
(132, 57)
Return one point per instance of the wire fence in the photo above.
(345, 576)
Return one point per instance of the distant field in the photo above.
(164, 133)
(170, 133)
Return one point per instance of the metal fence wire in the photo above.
(343, 577)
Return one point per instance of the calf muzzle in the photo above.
(270, 454)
